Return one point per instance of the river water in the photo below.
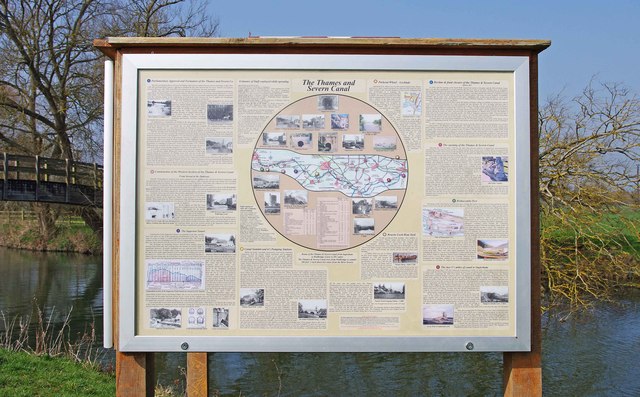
(594, 354)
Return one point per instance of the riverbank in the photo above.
(69, 237)
(27, 374)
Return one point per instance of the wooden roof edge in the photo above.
(106, 48)
(110, 45)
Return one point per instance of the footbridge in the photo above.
(36, 178)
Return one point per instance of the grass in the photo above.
(589, 255)
(25, 374)
(615, 230)
(70, 237)
(44, 360)
(47, 362)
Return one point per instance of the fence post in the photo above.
(67, 180)
(5, 172)
(37, 176)
(95, 181)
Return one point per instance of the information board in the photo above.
(324, 203)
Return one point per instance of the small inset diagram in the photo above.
(443, 222)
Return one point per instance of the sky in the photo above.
(589, 38)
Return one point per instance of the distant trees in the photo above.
(589, 159)
(51, 77)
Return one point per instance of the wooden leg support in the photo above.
(135, 374)
(197, 375)
(522, 374)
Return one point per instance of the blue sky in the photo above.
(589, 37)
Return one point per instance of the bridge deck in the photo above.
(34, 178)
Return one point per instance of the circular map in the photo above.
(329, 172)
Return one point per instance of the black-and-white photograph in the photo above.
(388, 290)
(272, 203)
(370, 122)
(327, 142)
(296, 197)
(159, 211)
(221, 202)
(159, 108)
(219, 145)
(313, 121)
(386, 202)
(385, 143)
(353, 141)
(327, 102)
(405, 258)
(251, 297)
(361, 206)
(197, 318)
(274, 138)
(312, 308)
(339, 121)
(219, 243)
(165, 318)
(363, 226)
(290, 122)
(219, 113)
(494, 294)
(220, 317)
(437, 314)
(301, 140)
(266, 181)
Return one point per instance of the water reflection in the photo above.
(57, 283)
(361, 374)
(596, 353)
(591, 355)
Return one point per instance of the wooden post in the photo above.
(135, 374)
(67, 180)
(5, 172)
(522, 372)
(197, 375)
(37, 166)
(95, 183)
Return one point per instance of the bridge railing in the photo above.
(35, 178)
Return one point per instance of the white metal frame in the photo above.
(132, 63)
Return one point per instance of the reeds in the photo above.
(42, 335)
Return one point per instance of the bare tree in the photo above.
(589, 156)
(51, 76)
(163, 18)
